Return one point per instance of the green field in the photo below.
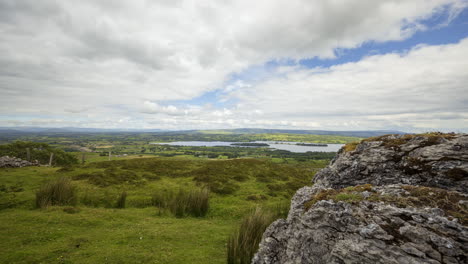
(94, 231)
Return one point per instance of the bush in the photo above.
(244, 241)
(57, 192)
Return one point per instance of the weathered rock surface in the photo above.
(375, 225)
(12, 162)
(428, 161)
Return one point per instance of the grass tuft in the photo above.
(121, 200)
(193, 202)
(350, 146)
(57, 192)
(244, 241)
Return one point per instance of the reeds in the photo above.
(193, 202)
(244, 241)
(57, 192)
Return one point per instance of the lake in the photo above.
(283, 145)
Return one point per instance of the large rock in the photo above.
(415, 211)
(438, 161)
(12, 162)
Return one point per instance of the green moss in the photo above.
(349, 197)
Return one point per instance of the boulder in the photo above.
(391, 199)
(12, 162)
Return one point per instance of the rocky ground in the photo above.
(391, 199)
(12, 162)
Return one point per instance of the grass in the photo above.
(194, 203)
(121, 201)
(244, 241)
(98, 235)
(57, 192)
(78, 234)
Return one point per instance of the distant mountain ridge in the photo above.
(350, 133)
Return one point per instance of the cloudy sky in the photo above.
(175, 64)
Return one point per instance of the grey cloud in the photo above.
(59, 56)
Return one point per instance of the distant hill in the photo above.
(73, 130)
(65, 130)
(362, 134)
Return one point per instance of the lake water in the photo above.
(290, 146)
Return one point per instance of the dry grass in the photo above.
(389, 141)
(350, 146)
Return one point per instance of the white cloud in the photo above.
(426, 87)
(81, 61)
(154, 108)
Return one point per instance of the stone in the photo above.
(373, 230)
(12, 162)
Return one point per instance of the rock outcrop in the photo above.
(391, 199)
(12, 162)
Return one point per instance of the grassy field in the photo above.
(93, 230)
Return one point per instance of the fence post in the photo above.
(83, 158)
(51, 158)
(109, 155)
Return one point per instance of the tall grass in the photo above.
(121, 200)
(193, 202)
(244, 241)
(57, 192)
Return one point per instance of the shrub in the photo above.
(121, 200)
(57, 192)
(244, 241)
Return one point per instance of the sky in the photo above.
(175, 64)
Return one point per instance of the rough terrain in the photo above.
(390, 199)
